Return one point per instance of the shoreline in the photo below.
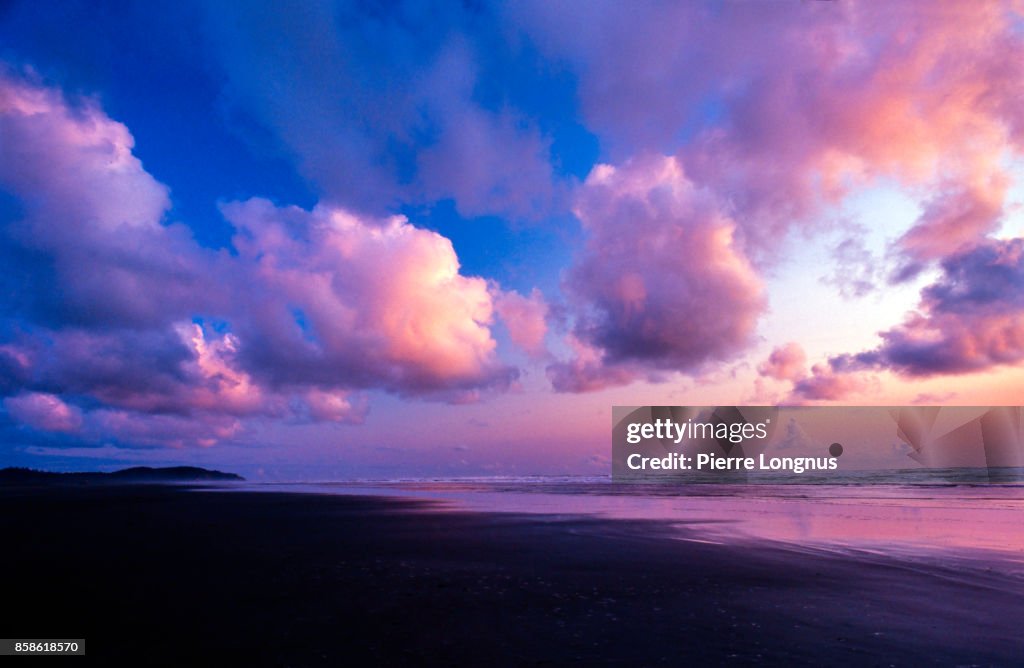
(926, 523)
(272, 578)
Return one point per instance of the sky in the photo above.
(322, 240)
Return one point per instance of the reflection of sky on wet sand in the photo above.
(887, 518)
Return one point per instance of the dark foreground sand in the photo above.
(163, 576)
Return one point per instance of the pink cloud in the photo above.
(157, 430)
(94, 213)
(526, 320)
(45, 412)
(782, 110)
(661, 285)
(949, 344)
(776, 114)
(956, 219)
(68, 159)
(824, 383)
(160, 340)
(336, 406)
(787, 362)
(970, 319)
(372, 302)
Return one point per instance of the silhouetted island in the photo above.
(135, 474)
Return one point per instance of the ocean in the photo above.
(934, 514)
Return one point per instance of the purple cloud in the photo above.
(44, 412)
(825, 383)
(87, 245)
(526, 321)
(788, 362)
(775, 115)
(661, 285)
(970, 319)
(379, 108)
(783, 110)
(121, 327)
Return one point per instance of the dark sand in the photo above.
(164, 576)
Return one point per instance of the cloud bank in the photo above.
(117, 325)
(776, 115)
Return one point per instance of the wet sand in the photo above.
(154, 575)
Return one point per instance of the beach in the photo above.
(164, 575)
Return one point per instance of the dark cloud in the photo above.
(970, 319)
(988, 278)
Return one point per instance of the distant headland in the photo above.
(135, 474)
